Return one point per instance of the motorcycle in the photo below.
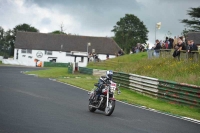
(106, 100)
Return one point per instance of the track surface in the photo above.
(30, 104)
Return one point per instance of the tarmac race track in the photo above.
(30, 104)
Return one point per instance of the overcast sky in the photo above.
(95, 17)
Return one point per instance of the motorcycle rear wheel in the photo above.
(111, 106)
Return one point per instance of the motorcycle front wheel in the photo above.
(111, 106)
(91, 109)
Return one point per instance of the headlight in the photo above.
(112, 89)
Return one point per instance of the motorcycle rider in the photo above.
(103, 80)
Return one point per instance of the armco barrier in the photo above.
(70, 69)
(98, 72)
(173, 92)
(54, 64)
(166, 90)
(179, 93)
(138, 83)
(85, 70)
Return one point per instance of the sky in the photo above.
(95, 17)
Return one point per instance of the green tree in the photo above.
(2, 40)
(129, 31)
(58, 32)
(194, 23)
(4, 45)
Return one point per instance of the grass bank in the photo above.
(61, 74)
(161, 68)
(87, 82)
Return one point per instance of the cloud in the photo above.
(95, 17)
(44, 19)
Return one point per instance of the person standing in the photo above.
(192, 46)
(157, 48)
(180, 46)
(167, 43)
(175, 42)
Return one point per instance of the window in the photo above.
(68, 54)
(48, 52)
(28, 51)
(23, 51)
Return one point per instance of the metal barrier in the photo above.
(170, 91)
(166, 90)
(138, 83)
(150, 54)
(167, 53)
(179, 93)
(70, 69)
(85, 70)
(54, 64)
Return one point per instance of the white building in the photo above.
(60, 48)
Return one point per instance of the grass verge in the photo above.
(87, 82)
(161, 68)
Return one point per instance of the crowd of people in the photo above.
(93, 57)
(138, 48)
(176, 43)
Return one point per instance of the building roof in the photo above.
(195, 36)
(66, 43)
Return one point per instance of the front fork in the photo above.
(108, 91)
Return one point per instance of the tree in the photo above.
(57, 32)
(194, 23)
(2, 40)
(4, 44)
(129, 31)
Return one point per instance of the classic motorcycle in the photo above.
(106, 100)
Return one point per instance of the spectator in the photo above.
(167, 43)
(163, 46)
(141, 48)
(175, 42)
(178, 47)
(136, 49)
(157, 48)
(192, 46)
(133, 49)
(170, 46)
(107, 56)
(88, 57)
(183, 39)
(120, 52)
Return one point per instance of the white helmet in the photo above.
(109, 74)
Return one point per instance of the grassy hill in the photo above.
(161, 68)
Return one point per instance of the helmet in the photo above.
(109, 74)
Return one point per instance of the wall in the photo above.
(61, 57)
(18, 62)
(27, 58)
(1, 58)
(103, 56)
